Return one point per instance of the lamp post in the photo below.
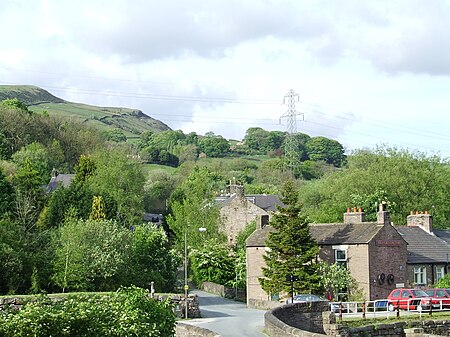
(186, 286)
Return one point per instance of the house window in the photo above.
(420, 275)
(439, 272)
(340, 257)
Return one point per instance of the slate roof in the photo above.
(339, 233)
(442, 234)
(267, 202)
(258, 237)
(424, 247)
(60, 179)
(326, 234)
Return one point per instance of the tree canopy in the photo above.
(292, 251)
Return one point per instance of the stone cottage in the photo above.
(428, 250)
(237, 209)
(374, 253)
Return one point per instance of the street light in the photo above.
(186, 286)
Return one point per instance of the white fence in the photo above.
(385, 307)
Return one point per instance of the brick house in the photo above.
(238, 209)
(428, 250)
(374, 252)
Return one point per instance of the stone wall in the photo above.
(298, 319)
(187, 330)
(398, 329)
(224, 291)
(314, 320)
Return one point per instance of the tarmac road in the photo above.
(228, 318)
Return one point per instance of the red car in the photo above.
(443, 295)
(411, 299)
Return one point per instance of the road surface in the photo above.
(228, 318)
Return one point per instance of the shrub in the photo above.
(127, 312)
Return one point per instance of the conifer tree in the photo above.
(292, 251)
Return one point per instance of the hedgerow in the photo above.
(127, 312)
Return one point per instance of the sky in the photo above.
(367, 73)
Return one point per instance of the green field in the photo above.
(131, 121)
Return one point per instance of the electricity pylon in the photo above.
(291, 153)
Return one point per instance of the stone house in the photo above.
(237, 209)
(428, 250)
(374, 253)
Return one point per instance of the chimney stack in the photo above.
(354, 216)
(422, 219)
(383, 216)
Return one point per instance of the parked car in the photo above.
(410, 299)
(303, 298)
(443, 295)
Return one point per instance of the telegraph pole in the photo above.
(291, 147)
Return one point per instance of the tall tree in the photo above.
(291, 250)
(328, 150)
(192, 207)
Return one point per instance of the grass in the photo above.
(412, 317)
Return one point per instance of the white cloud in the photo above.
(352, 62)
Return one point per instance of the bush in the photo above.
(127, 312)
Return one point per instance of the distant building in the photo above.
(428, 249)
(237, 209)
(58, 179)
(374, 253)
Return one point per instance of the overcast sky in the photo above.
(366, 72)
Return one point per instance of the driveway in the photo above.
(228, 318)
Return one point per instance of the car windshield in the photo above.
(419, 293)
(307, 298)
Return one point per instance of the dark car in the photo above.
(410, 299)
(442, 294)
(303, 298)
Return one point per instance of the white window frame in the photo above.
(439, 272)
(339, 259)
(420, 275)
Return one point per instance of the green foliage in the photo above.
(335, 278)
(123, 182)
(90, 255)
(410, 181)
(192, 207)
(443, 282)
(6, 196)
(97, 212)
(14, 103)
(213, 146)
(128, 312)
(213, 262)
(260, 141)
(292, 250)
(151, 259)
(35, 155)
(115, 135)
(327, 150)
(86, 168)
(11, 257)
(244, 234)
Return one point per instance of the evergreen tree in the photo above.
(292, 250)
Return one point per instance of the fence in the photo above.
(389, 308)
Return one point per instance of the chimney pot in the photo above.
(354, 209)
(360, 209)
(426, 212)
(348, 209)
(411, 212)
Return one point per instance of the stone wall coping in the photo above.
(188, 330)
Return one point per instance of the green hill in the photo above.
(131, 121)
